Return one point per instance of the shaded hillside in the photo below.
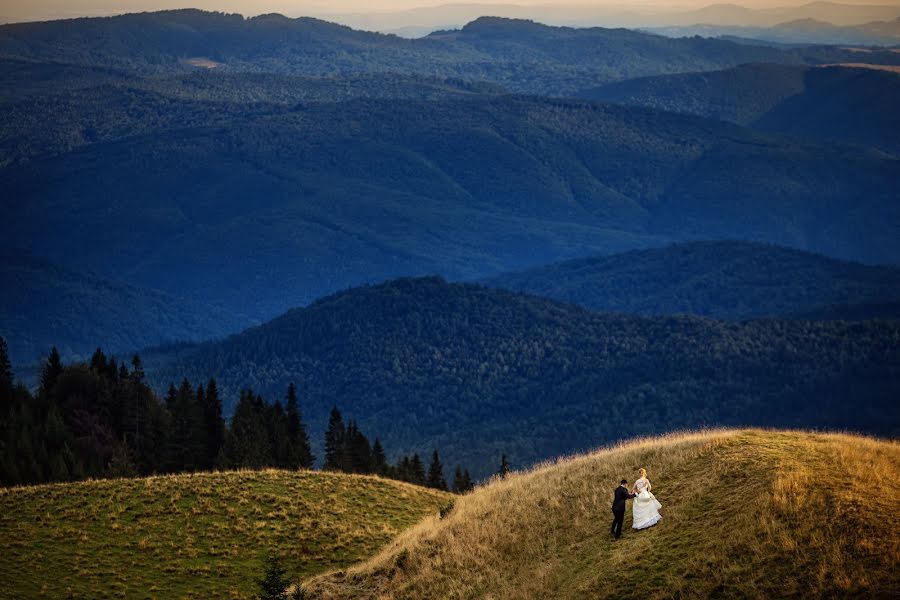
(203, 535)
(305, 200)
(724, 280)
(746, 514)
(478, 372)
(45, 305)
(520, 55)
(815, 102)
(853, 312)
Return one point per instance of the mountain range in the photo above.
(44, 305)
(303, 201)
(480, 372)
(813, 102)
(522, 56)
(723, 280)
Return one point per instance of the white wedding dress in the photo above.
(645, 508)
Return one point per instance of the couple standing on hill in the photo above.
(645, 508)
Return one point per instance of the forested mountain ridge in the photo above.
(43, 305)
(819, 102)
(523, 56)
(725, 280)
(479, 372)
(308, 199)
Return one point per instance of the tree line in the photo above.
(102, 419)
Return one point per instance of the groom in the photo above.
(618, 508)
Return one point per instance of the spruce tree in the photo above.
(301, 453)
(273, 585)
(213, 422)
(504, 469)
(462, 482)
(379, 460)
(334, 441)
(53, 368)
(436, 473)
(416, 470)
(6, 385)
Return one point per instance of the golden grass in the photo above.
(746, 514)
(203, 535)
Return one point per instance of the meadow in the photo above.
(746, 514)
(203, 535)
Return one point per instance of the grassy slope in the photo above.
(202, 535)
(746, 514)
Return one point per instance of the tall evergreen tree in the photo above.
(436, 473)
(6, 385)
(504, 469)
(379, 460)
(247, 444)
(301, 453)
(334, 441)
(53, 368)
(214, 423)
(416, 470)
(462, 482)
(357, 455)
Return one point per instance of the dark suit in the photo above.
(618, 509)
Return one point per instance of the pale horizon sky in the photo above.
(37, 10)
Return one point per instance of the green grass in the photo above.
(746, 514)
(203, 535)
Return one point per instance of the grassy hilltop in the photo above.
(746, 514)
(204, 535)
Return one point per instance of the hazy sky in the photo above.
(29, 10)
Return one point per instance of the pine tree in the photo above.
(137, 370)
(334, 441)
(6, 384)
(214, 423)
(357, 451)
(416, 470)
(273, 586)
(247, 443)
(301, 453)
(379, 460)
(436, 473)
(53, 368)
(462, 482)
(98, 362)
(504, 469)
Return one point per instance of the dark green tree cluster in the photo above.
(347, 449)
(266, 435)
(102, 419)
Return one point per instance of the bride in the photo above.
(645, 506)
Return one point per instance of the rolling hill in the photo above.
(520, 55)
(478, 372)
(45, 305)
(820, 102)
(202, 535)
(746, 514)
(723, 280)
(297, 202)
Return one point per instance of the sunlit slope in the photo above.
(201, 536)
(747, 513)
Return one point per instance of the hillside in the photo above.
(190, 197)
(479, 372)
(45, 305)
(819, 102)
(723, 280)
(520, 55)
(204, 535)
(746, 514)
